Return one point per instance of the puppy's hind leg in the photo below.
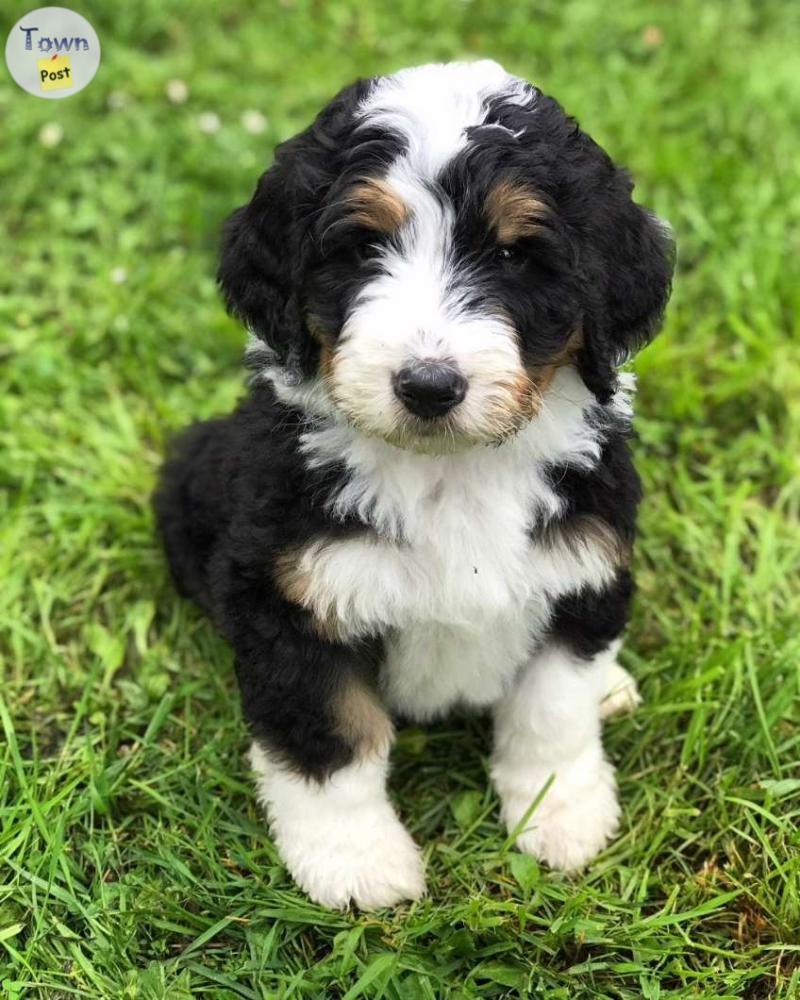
(620, 690)
(190, 505)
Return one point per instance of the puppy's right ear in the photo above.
(268, 244)
(261, 265)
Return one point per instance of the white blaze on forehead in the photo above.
(432, 107)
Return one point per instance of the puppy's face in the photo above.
(442, 307)
(434, 246)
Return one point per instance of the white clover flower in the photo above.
(254, 122)
(119, 275)
(117, 99)
(209, 122)
(177, 91)
(51, 134)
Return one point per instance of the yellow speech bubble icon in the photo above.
(55, 73)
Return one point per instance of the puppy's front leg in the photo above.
(549, 725)
(320, 750)
(340, 837)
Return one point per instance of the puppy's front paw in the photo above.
(341, 840)
(367, 857)
(573, 822)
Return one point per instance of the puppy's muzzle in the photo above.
(430, 389)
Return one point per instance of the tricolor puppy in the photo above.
(427, 499)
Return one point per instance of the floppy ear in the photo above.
(262, 262)
(633, 268)
(268, 243)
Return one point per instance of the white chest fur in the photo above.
(449, 574)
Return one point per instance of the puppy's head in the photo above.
(434, 246)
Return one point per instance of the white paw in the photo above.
(621, 693)
(341, 840)
(573, 822)
(367, 857)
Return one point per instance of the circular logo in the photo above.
(52, 52)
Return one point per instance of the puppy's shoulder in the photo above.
(609, 492)
(276, 488)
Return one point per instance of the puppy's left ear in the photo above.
(633, 279)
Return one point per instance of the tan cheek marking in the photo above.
(514, 211)
(294, 583)
(522, 394)
(337, 390)
(361, 720)
(525, 396)
(541, 376)
(522, 399)
(347, 397)
(374, 204)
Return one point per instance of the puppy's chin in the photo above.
(445, 436)
(431, 438)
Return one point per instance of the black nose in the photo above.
(430, 389)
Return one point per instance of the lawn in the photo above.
(134, 862)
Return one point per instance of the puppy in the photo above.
(427, 498)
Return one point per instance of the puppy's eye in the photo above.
(367, 252)
(508, 254)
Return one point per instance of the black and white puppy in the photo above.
(427, 499)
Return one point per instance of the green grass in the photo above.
(133, 859)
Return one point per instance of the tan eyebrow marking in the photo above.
(514, 210)
(376, 205)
